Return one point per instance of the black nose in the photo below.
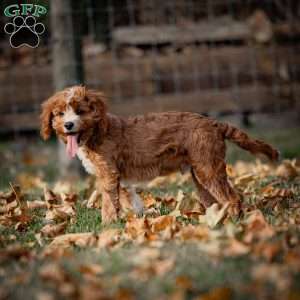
(69, 125)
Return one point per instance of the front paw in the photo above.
(108, 216)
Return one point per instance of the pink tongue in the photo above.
(72, 145)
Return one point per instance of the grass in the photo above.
(194, 272)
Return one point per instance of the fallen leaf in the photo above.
(94, 200)
(108, 238)
(36, 204)
(161, 223)
(50, 197)
(136, 227)
(272, 192)
(15, 251)
(184, 282)
(91, 269)
(257, 227)
(214, 215)
(52, 272)
(43, 295)
(197, 232)
(236, 248)
(286, 170)
(219, 293)
(52, 230)
(268, 250)
(149, 200)
(71, 239)
(274, 273)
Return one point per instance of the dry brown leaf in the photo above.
(287, 170)
(191, 207)
(124, 294)
(272, 192)
(36, 204)
(268, 250)
(214, 215)
(219, 293)
(14, 209)
(87, 239)
(177, 294)
(161, 267)
(39, 239)
(15, 251)
(43, 295)
(245, 179)
(60, 212)
(91, 269)
(56, 215)
(184, 282)
(146, 255)
(190, 231)
(257, 227)
(50, 197)
(108, 238)
(136, 227)
(92, 290)
(292, 258)
(149, 200)
(179, 199)
(94, 200)
(52, 272)
(68, 198)
(161, 223)
(275, 273)
(236, 248)
(52, 230)
(152, 267)
(62, 187)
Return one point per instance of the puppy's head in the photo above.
(76, 114)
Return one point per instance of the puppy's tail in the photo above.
(246, 142)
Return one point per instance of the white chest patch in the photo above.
(86, 162)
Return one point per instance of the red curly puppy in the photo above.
(140, 148)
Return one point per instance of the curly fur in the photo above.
(142, 147)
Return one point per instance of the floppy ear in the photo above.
(47, 115)
(97, 101)
(46, 119)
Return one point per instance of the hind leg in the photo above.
(205, 197)
(215, 181)
(208, 163)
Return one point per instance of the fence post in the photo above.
(67, 67)
(66, 46)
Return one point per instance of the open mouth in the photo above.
(73, 140)
(76, 134)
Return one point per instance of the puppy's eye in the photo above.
(79, 112)
(61, 113)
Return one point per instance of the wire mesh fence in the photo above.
(208, 56)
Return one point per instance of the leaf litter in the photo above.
(267, 233)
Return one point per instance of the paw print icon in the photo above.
(24, 32)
